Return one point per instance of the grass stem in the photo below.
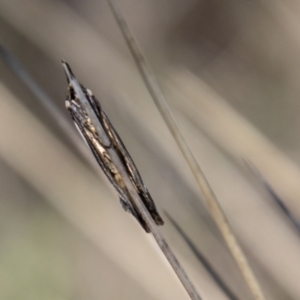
(207, 192)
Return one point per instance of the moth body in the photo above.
(98, 133)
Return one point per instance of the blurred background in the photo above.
(230, 71)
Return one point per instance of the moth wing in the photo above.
(127, 206)
(130, 166)
(96, 154)
(135, 175)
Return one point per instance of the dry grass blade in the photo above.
(48, 103)
(208, 194)
(117, 165)
(226, 289)
(278, 201)
(15, 65)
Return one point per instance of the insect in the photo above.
(97, 131)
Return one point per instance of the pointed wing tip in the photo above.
(68, 71)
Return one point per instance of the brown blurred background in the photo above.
(230, 71)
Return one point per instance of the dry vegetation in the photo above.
(230, 73)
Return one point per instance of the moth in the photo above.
(97, 131)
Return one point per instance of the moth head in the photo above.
(83, 107)
(69, 74)
(74, 92)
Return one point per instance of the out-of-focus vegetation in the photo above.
(230, 73)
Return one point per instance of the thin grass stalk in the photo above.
(117, 159)
(49, 104)
(162, 243)
(15, 65)
(210, 269)
(54, 111)
(211, 201)
(276, 198)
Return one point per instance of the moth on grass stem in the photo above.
(97, 131)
